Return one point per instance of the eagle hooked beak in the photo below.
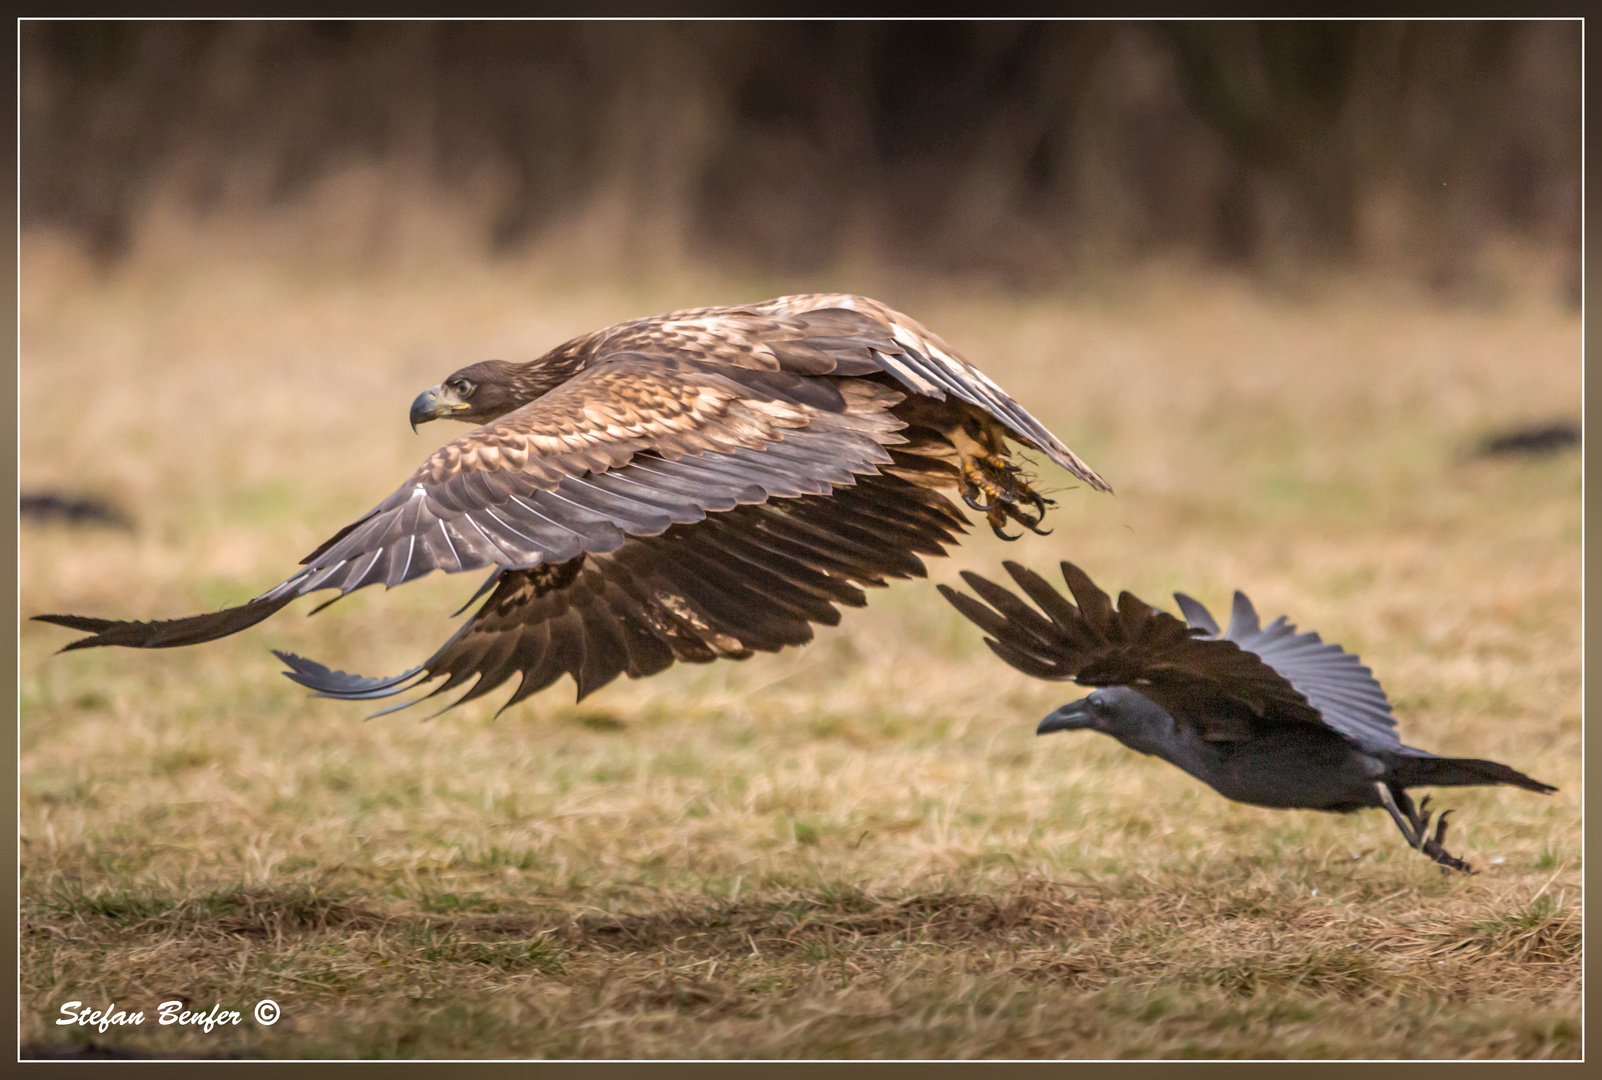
(1071, 717)
(436, 402)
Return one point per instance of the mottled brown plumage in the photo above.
(695, 485)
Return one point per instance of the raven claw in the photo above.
(1434, 846)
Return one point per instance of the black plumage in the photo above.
(1263, 715)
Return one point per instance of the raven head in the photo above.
(1095, 712)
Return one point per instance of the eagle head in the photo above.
(480, 392)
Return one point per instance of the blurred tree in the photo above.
(1026, 149)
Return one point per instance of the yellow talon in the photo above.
(1003, 483)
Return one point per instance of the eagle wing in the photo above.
(752, 579)
(1212, 684)
(711, 484)
(842, 334)
(631, 446)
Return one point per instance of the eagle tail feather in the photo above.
(343, 685)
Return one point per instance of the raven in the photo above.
(1262, 715)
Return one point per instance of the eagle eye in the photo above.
(461, 386)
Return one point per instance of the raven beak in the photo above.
(1070, 717)
(435, 402)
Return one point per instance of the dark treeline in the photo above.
(1024, 149)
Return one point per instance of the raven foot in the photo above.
(1008, 493)
(1415, 826)
(1432, 845)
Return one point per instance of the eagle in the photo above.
(696, 485)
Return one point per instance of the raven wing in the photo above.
(1339, 685)
(1212, 684)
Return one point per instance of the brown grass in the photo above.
(854, 849)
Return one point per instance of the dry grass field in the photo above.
(856, 849)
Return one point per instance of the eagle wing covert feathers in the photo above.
(695, 485)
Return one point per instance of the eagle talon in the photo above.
(997, 518)
(1010, 478)
(1040, 512)
(1028, 522)
(1001, 481)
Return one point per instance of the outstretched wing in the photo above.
(924, 362)
(629, 447)
(1340, 686)
(752, 579)
(841, 334)
(1214, 685)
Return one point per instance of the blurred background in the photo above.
(1027, 152)
(1306, 294)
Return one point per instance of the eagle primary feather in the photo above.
(694, 485)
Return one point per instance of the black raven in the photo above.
(1263, 715)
